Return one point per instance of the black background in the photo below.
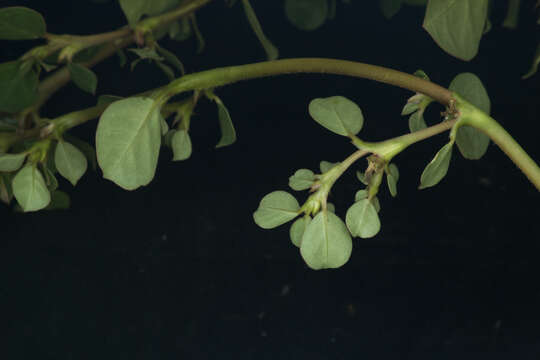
(178, 269)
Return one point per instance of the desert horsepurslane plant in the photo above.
(131, 131)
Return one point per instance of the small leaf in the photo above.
(362, 177)
(275, 209)
(325, 166)
(70, 162)
(361, 195)
(59, 201)
(171, 59)
(298, 228)
(122, 58)
(271, 51)
(228, 133)
(437, 168)
(456, 26)
(392, 177)
(338, 114)
(146, 53)
(390, 8)
(128, 139)
(167, 70)
(302, 179)
(181, 145)
(50, 179)
(472, 143)
(21, 23)
(18, 86)
(416, 121)
(164, 126)
(83, 77)
(6, 191)
(30, 190)
(326, 243)
(362, 219)
(534, 65)
(11, 162)
(409, 108)
(87, 149)
(306, 14)
(180, 30)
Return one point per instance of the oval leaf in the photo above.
(326, 242)
(30, 190)
(84, 78)
(456, 26)
(302, 179)
(392, 177)
(128, 138)
(21, 23)
(338, 114)
(298, 228)
(471, 143)
(390, 8)
(181, 145)
(326, 166)
(362, 219)
(228, 133)
(18, 86)
(275, 209)
(11, 162)
(135, 9)
(437, 168)
(306, 14)
(70, 162)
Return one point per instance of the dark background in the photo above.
(179, 270)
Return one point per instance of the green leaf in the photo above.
(228, 133)
(416, 121)
(298, 228)
(390, 8)
(18, 86)
(84, 78)
(11, 162)
(181, 145)
(21, 23)
(362, 219)
(272, 52)
(70, 162)
(457, 25)
(128, 139)
(362, 177)
(135, 9)
(326, 166)
(87, 149)
(326, 243)
(180, 30)
(50, 179)
(59, 201)
(534, 65)
(330, 207)
(306, 14)
(471, 143)
(167, 70)
(437, 168)
(392, 177)
(275, 209)
(302, 179)
(6, 191)
(338, 114)
(171, 59)
(30, 190)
